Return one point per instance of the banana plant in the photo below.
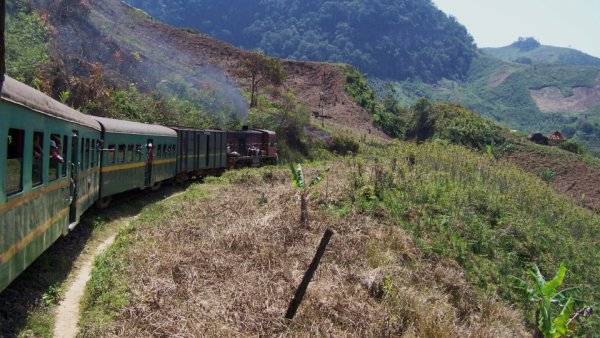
(546, 295)
(303, 188)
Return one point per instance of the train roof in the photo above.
(197, 129)
(136, 128)
(21, 94)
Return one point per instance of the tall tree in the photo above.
(261, 70)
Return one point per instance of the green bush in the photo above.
(572, 146)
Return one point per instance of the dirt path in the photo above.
(67, 312)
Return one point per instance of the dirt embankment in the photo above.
(127, 43)
(575, 179)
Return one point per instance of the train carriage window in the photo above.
(81, 154)
(111, 153)
(169, 151)
(38, 157)
(92, 153)
(56, 160)
(121, 154)
(139, 152)
(159, 151)
(87, 153)
(65, 147)
(14, 165)
(130, 153)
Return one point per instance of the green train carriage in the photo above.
(41, 198)
(134, 156)
(201, 152)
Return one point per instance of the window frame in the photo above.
(21, 150)
(34, 182)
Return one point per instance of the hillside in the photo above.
(529, 50)
(392, 39)
(422, 248)
(108, 43)
(528, 98)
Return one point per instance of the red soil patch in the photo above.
(575, 179)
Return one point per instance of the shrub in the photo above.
(572, 146)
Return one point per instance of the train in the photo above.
(56, 163)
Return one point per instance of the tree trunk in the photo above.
(303, 211)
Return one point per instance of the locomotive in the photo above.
(56, 163)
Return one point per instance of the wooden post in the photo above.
(295, 303)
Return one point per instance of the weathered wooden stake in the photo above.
(295, 303)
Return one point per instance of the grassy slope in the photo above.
(449, 231)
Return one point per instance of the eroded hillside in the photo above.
(130, 46)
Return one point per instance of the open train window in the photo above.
(121, 154)
(130, 153)
(38, 157)
(65, 147)
(111, 153)
(159, 151)
(92, 153)
(87, 153)
(14, 164)
(56, 160)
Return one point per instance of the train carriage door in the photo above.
(73, 184)
(149, 162)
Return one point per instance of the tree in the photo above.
(300, 184)
(261, 70)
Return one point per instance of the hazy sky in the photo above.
(561, 23)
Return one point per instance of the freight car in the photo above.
(56, 162)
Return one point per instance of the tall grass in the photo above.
(491, 218)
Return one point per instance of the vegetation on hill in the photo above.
(395, 39)
(501, 91)
(26, 43)
(449, 219)
(529, 51)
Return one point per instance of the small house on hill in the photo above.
(556, 137)
(538, 138)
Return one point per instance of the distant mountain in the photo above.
(526, 97)
(529, 51)
(395, 39)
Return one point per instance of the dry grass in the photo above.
(228, 263)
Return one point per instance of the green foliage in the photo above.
(501, 91)
(26, 43)
(387, 113)
(64, 96)
(300, 183)
(385, 38)
(298, 177)
(546, 296)
(261, 70)
(52, 296)
(489, 217)
(548, 175)
(455, 124)
(288, 119)
(572, 146)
